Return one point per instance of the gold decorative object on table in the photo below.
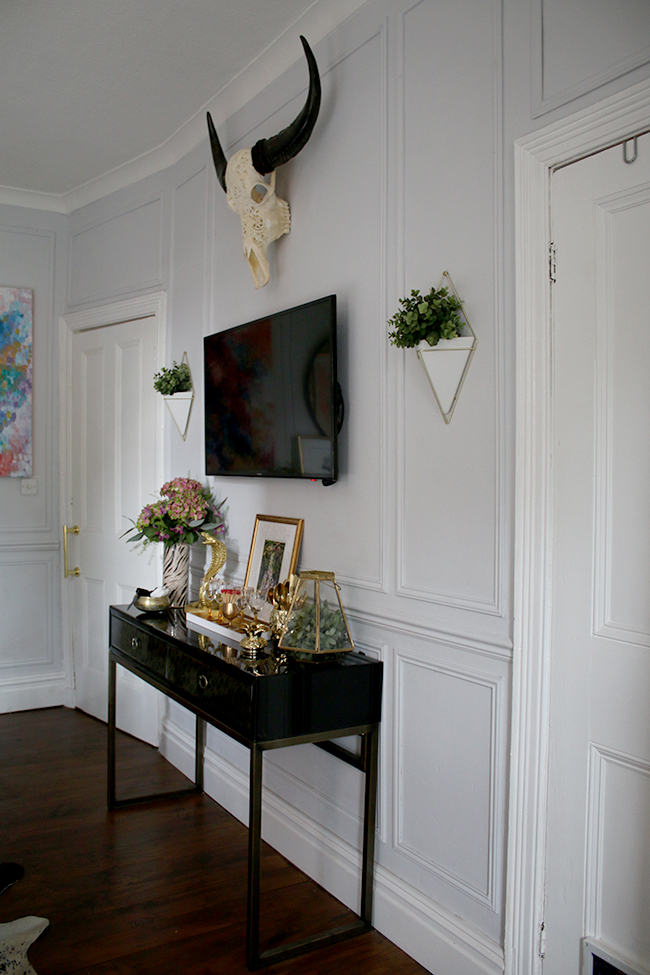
(316, 624)
(281, 597)
(253, 644)
(230, 609)
(219, 556)
(150, 603)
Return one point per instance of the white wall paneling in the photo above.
(28, 641)
(31, 664)
(338, 223)
(580, 46)
(619, 810)
(451, 497)
(189, 291)
(622, 520)
(117, 254)
(445, 823)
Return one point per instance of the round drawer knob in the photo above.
(203, 682)
(135, 642)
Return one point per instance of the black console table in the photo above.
(263, 705)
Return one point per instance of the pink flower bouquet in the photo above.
(185, 509)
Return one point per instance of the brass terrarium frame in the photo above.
(317, 577)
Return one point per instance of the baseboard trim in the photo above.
(432, 936)
(31, 693)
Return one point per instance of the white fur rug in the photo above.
(15, 939)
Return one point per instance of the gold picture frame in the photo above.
(274, 553)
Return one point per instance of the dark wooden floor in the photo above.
(159, 888)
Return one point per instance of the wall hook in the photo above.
(625, 156)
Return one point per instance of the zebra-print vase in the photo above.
(176, 573)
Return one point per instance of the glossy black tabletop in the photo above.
(256, 700)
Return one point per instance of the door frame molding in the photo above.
(536, 156)
(145, 306)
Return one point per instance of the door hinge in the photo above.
(541, 941)
(552, 265)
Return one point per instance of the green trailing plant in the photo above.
(177, 379)
(427, 318)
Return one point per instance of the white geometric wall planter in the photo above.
(180, 404)
(180, 407)
(447, 363)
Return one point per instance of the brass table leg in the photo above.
(370, 752)
(256, 958)
(114, 803)
(254, 858)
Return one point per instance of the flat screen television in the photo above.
(273, 406)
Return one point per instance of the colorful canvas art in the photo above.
(15, 382)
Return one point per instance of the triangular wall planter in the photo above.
(180, 407)
(446, 366)
(447, 363)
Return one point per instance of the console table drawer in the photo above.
(144, 648)
(219, 694)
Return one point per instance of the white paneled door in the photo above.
(598, 817)
(114, 471)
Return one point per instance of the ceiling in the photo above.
(90, 85)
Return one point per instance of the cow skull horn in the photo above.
(268, 154)
(220, 161)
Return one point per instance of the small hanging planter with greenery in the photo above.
(434, 323)
(426, 319)
(177, 379)
(177, 389)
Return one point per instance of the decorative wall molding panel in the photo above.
(619, 809)
(29, 640)
(430, 632)
(619, 34)
(623, 475)
(358, 506)
(118, 255)
(450, 552)
(31, 674)
(461, 849)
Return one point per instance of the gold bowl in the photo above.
(152, 604)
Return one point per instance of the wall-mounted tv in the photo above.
(273, 406)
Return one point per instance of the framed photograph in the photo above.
(274, 553)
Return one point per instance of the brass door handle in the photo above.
(68, 571)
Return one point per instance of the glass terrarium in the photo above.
(316, 623)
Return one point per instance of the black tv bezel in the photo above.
(337, 407)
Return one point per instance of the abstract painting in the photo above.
(16, 382)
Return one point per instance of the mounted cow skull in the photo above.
(264, 216)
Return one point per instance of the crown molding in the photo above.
(318, 21)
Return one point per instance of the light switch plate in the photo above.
(29, 485)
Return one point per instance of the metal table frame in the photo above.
(366, 761)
